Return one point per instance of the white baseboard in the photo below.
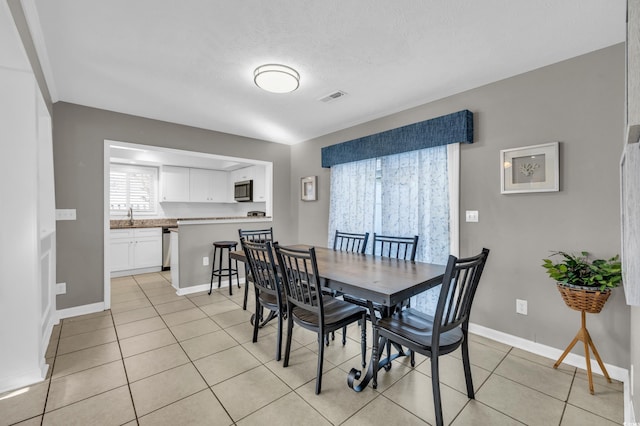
(117, 274)
(79, 310)
(183, 291)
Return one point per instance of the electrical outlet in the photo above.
(61, 288)
(205, 261)
(472, 215)
(521, 306)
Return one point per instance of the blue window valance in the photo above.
(451, 128)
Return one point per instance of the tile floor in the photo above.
(159, 359)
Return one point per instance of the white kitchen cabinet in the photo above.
(175, 184)
(207, 186)
(138, 248)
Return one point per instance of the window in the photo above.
(133, 186)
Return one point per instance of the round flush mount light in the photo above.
(276, 78)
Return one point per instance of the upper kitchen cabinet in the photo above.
(257, 175)
(174, 182)
(208, 186)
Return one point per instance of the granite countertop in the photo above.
(173, 223)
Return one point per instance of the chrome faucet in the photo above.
(130, 216)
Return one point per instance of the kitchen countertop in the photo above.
(172, 223)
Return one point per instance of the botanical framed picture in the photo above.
(533, 168)
(308, 188)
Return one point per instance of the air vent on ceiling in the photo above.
(333, 96)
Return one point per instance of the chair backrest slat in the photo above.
(262, 265)
(459, 286)
(395, 247)
(300, 278)
(347, 241)
(256, 235)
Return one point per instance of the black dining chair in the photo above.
(255, 235)
(442, 333)
(393, 247)
(347, 241)
(267, 286)
(308, 306)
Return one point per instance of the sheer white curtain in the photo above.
(415, 201)
(352, 203)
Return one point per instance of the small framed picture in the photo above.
(308, 188)
(533, 168)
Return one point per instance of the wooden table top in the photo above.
(382, 280)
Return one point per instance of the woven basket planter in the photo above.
(584, 298)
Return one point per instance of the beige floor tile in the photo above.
(154, 283)
(208, 344)
(128, 296)
(149, 277)
(86, 340)
(193, 329)
(301, 369)
(249, 391)
(155, 361)
(146, 342)
(136, 328)
(452, 373)
(265, 348)
(336, 353)
(227, 319)
(303, 336)
(384, 412)
(488, 342)
(181, 317)
(159, 291)
(574, 416)
(476, 413)
(605, 402)
(85, 384)
(76, 327)
(599, 379)
(134, 315)
(178, 305)
(165, 388)
(130, 305)
(166, 297)
(200, 299)
(85, 358)
(243, 332)
(23, 403)
(34, 421)
(219, 307)
(544, 379)
(226, 364)
(110, 408)
(484, 356)
(337, 402)
(520, 402)
(400, 367)
(200, 409)
(52, 348)
(55, 331)
(124, 281)
(290, 410)
(414, 393)
(538, 359)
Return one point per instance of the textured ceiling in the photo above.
(191, 62)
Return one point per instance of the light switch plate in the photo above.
(65, 214)
(472, 215)
(61, 288)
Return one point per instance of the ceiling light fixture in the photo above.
(276, 78)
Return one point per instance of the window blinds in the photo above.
(133, 186)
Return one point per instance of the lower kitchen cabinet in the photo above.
(136, 249)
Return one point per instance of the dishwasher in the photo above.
(166, 249)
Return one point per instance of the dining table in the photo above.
(382, 281)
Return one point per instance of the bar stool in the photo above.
(219, 271)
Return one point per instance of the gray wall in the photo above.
(579, 102)
(78, 143)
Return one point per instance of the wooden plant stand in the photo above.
(584, 301)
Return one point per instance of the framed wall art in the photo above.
(308, 188)
(533, 168)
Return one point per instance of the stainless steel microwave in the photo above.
(243, 191)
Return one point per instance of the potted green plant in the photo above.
(578, 271)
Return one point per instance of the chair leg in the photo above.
(287, 349)
(344, 335)
(279, 337)
(256, 320)
(320, 360)
(374, 357)
(213, 268)
(467, 368)
(246, 287)
(435, 384)
(363, 340)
